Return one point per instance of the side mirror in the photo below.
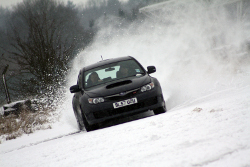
(74, 89)
(151, 69)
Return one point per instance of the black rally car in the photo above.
(115, 88)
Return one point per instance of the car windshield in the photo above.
(111, 72)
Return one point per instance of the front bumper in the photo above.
(101, 112)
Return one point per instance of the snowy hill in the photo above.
(209, 131)
(202, 63)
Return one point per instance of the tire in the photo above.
(87, 126)
(79, 120)
(160, 110)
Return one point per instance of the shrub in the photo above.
(13, 126)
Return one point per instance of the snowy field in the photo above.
(209, 131)
(203, 66)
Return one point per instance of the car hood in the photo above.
(119, 86)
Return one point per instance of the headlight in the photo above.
(96, 100)
(148, 87)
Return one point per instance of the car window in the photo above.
(111, 72)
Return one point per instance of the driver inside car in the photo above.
(93, 79)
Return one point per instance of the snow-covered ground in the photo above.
(203, 68)
(213, 130)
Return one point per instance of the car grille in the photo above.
(141, 104)
(127, 94)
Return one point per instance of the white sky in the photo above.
(9, 3)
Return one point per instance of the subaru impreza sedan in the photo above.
(115, 88)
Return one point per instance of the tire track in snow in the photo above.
(43, 141)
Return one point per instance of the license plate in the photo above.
(125, 103)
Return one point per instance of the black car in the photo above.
(115, 88)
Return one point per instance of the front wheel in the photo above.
(87, 126)
(160, 110)
(79, 120)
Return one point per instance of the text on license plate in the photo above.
(125, 103)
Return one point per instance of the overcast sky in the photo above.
(9, 3)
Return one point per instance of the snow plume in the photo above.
(197, 47)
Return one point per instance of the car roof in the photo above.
(108, 61)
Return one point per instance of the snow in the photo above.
(218, 135)
(1, 111)
(207, 94)
(10, 105)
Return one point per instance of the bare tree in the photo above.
(45, 35)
